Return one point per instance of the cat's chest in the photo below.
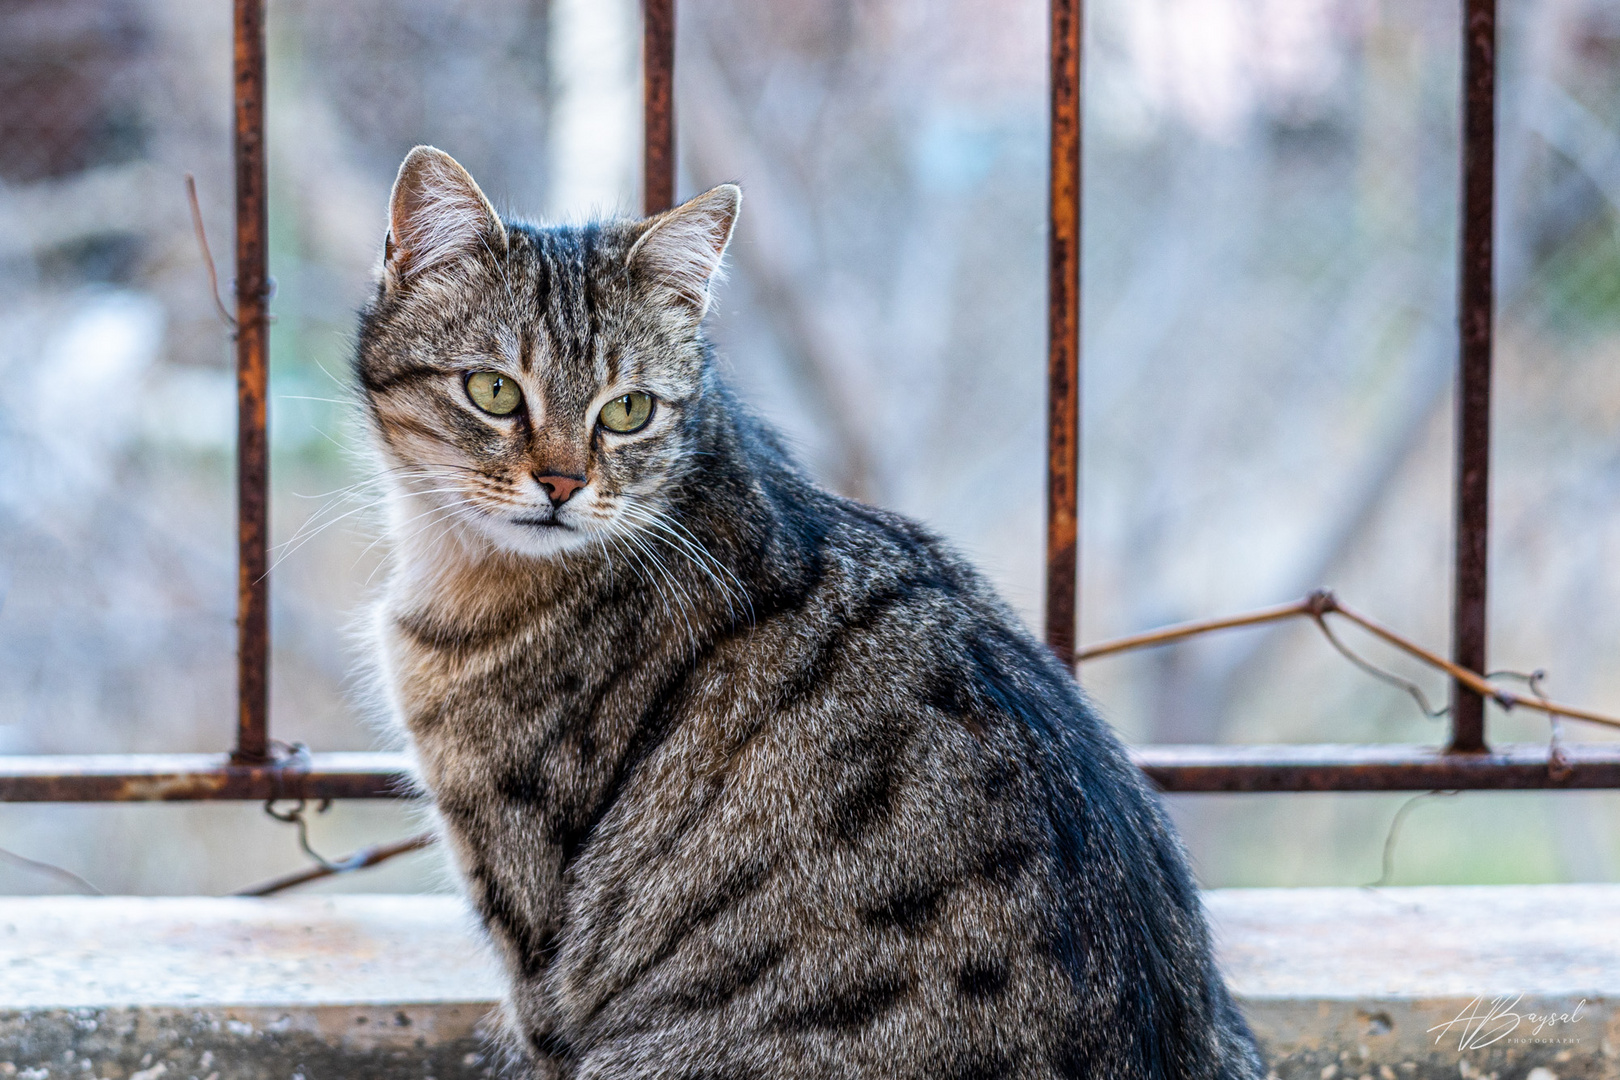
(449, 683)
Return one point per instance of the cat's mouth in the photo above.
(549, 522)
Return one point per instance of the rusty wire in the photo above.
(1412, 689)
(1322, 603)
(1387, 866)
(207, 256)
(1558, 763)
(363, 859)
(295, 818)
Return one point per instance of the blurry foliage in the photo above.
(66, 73)
(1581, 279)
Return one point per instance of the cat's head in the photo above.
(537, 386)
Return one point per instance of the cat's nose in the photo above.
(560, 488)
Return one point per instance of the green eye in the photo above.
(493, 392)
(627, 413)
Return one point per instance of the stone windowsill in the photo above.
(1338, 983)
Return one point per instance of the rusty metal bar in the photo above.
(1185, 769)
(658, 105)
(1475, 311)
(1376, 767)
(193, 777)
(252, 378)
(1063, 334)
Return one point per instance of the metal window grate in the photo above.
(251, 771)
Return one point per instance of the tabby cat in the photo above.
(746, 780)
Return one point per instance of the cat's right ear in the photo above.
(679, 254)
(436, 215)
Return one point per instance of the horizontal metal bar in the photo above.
(1178, 769)
(1376, 767)
(183, 777)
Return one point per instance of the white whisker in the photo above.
(665, 529)
(646, 576)
(683, 607)
(310, 530)
(455, 514)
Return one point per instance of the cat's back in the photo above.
(883, 827)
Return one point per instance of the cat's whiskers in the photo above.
(652, 553)
(607, 553)
(674, 533)
(452, 507)
(684, 604)
(433, 465)
(309, 530)
(597, 526)
(683, 600)
(341, 495)
(647, 577)
(455, 514)
(656, 531)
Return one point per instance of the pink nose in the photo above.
(561, 488)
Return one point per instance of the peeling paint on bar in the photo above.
(190, 777)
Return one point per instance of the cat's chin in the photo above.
(535, 539)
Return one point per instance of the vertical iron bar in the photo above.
(1475, 312)
(1063, 335)
(658, 105)
(252, 375)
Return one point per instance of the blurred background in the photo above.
(1269, 282)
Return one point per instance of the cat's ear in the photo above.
(436, 214)
(680, 253)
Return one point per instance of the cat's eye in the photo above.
(627, 412)
(493, 392)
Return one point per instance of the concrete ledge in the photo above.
(346, 987)
(1338, 983)
(1488, 981)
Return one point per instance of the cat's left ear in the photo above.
(436, 214)
(680, 253)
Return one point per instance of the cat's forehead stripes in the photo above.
(565, 304)
(572, 322)
(509, 344)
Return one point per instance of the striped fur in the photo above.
(746, 780)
